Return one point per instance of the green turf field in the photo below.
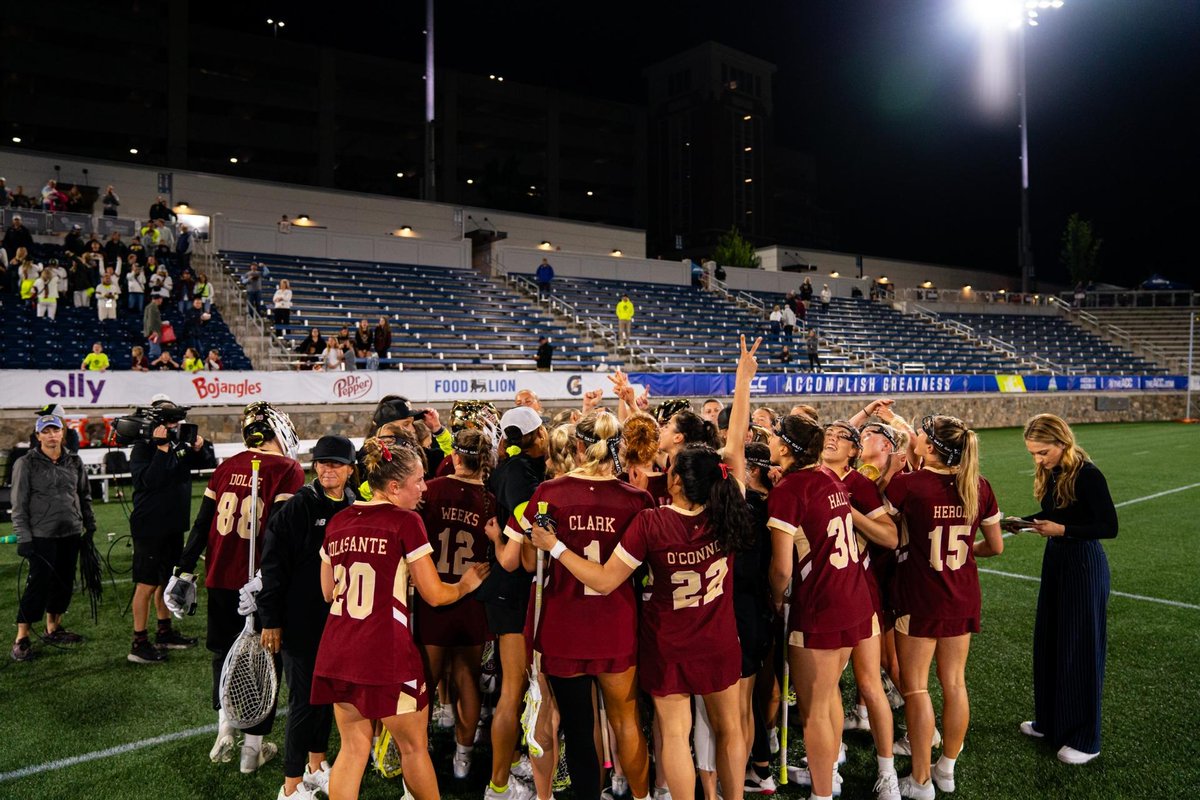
(69, 703)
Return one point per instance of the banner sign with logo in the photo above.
(77, 390)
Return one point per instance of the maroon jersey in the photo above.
(937, 577)
(279, 477)
(367, 638)
(829, 587)
(866, 500)
(690, 612)
(455, 513)
(578, 623)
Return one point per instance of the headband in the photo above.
(759, 462)
(950, 454)
(788, 441)
(855, 439)
(466, 451)
(886, 431)
(613, 443)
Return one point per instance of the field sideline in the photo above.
(70, 703)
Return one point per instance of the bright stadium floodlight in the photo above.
(1015, 15)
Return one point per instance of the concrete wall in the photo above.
(584, 265)
(260, 203)
(901, 273)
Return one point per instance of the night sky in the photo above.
(884, 94)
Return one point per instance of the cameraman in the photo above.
(162, 513)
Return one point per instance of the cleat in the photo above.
(142, 652)
(918, 791)
(887, 787)
(253, 758)
(903, 746)
(461, 764)
(317, 781)
(174, 640)
(22, 650)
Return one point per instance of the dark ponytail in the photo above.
(707, 481)
(695, 429)
(804, 438)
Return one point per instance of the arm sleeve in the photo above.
(1096, 512)
(288, 525)
(198, 538)
(153, 473)
(445, 441)
(84, 487)
(20, 502)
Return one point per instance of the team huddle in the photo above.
(647, 588)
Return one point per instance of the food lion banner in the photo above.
(75, 390)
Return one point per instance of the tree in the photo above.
(1080, 249)
(734, 251)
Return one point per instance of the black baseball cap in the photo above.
(392, 410)
(334, 448)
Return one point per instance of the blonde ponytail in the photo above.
(966, 477)
(600, 431)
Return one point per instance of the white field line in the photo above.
(63, 763)
(1175, 603)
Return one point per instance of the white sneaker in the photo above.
(773, 740)
(1028, 729)
(662, 793)
(461, 764)
(903, 747)
(253, 758)
(620, 785)
(516, 790)
(302, 792)
(522, 768)
(910, 788)
(757, 785)
(317, 781)
(802, 777)
(222, 749)
(857, 720)
(443, 715)
(943, 780)
(1069, 755)
(887, 787)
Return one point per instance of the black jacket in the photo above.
(50, 499)
(513, 483)
(162, 489)
(1092, 515)
(291, 597)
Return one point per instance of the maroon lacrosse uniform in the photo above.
(937, 580)
(866, 500)
(831, 604)
(582, 631)
(279, 477)
(454, 512)
(687, 636)
(656, 485)
(367, 656)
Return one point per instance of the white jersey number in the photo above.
(688, 582)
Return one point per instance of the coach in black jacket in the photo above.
(292, 607)
(162, 512)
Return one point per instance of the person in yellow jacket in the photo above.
(192, 361)
(624, 319)
(97, 360)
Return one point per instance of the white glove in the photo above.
(247, 604)
(180, 594)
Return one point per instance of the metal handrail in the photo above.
(1113, 331)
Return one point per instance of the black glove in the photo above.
(25, 549)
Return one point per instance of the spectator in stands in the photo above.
(719, 273)
(166, 241)
(813, 344)
(135, 248)
(334, 355)
(152, 318)
(149, 237)
(785, 355)
(310, 349)
(364, 345)
(115, 250)
(60, 275)
(213, 362)
(26, 272)
(97, 360)
(3, 193)
(806, 290)
(543, 276)
(285, 224)
(545, 353)
(73, 241)
(776, 320)
(93, 256)
(107, 296)
(135, 288)
(16, 237)
(281, 306)
(184, 290)
(160, 210)
(625, 313)
(164, 361)
(195, 325)
(1080, 294)
(49, 196)
(203, 290)
(137, 359)
(45, 289)
(826, 296)
(183, 248)
(79, 283)
(160, 282)
(383, 338)
(789, 322)
(75, 200)
(110, 201)
(192, 361)
(346, 345)
(252, 280)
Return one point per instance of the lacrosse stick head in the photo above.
(248, 681)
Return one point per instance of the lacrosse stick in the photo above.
(783, 734)
(248, 679)
(533, 695)
(604, 730)
(387, 756)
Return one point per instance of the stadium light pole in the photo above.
(429, 184)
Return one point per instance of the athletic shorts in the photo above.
(702, 673)
(373, 702)
(154, 559)
(224, 621)
(461, 624)
(504, 619)
(835, 640)
(910, 625)
(570, 667)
